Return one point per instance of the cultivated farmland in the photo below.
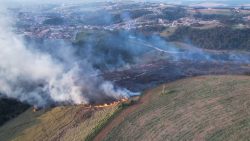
(212, 108)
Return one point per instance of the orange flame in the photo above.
(108, 104)
(35, 109)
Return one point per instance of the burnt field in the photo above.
(139, 78)
(167, 62)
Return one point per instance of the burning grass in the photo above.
(111, 104)
(123, 103)
(200, 108)
(80, 122)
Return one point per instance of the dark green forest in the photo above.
(214, 38)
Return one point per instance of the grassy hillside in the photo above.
(212, 108)
(60, 123)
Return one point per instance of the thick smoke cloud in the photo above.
(41, 79)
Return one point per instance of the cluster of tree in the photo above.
(107, 17)
(174, 13)
(106, 49)
(54, 21)
(214, 38)
(133, 14)
(151, 29)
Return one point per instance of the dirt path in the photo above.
(121, 116)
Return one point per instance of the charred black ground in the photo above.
(10, 108)
(143, 77)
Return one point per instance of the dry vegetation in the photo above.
(203, 108)
(60, 123)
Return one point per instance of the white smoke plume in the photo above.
(39, 79)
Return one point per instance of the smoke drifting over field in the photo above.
(42, 79)
(56, 72)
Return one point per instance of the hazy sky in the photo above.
(210, 3)
(168, 1)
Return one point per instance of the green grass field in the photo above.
(212, 108)
(70, 123)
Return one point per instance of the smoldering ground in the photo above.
(156, 61)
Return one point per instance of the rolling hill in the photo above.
(62, 123)
(200, 108)
(212, 108)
